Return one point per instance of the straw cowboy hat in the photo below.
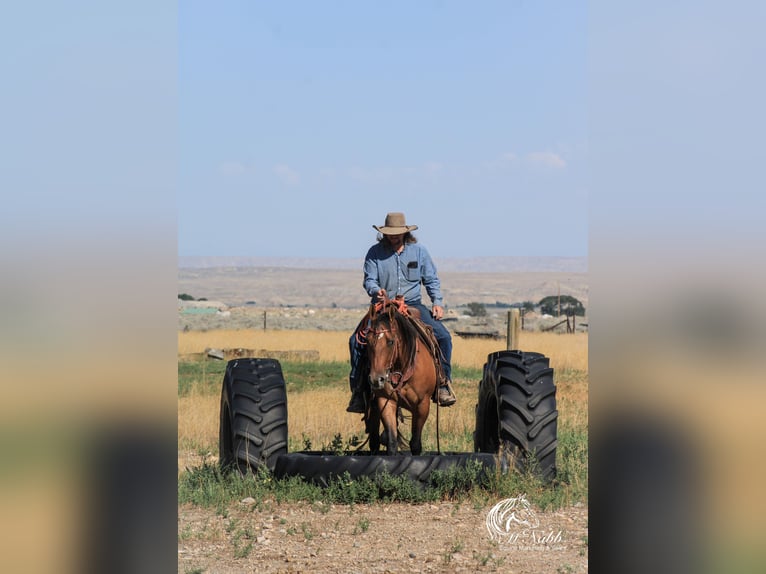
(395, 225)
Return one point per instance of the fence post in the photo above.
(512, 335)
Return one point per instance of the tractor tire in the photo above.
(253, 422)
(321, 468)
(516, 414)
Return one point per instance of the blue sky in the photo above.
(302, 124)
(289, 129)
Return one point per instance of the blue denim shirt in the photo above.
(401, 273)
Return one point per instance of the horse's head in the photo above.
(391, 344)
(381, 349)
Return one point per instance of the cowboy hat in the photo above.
(395, 225)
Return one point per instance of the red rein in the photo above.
(401, 306)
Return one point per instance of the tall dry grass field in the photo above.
(332, 345)
(566, 351)
(197, 428)
(316, 415)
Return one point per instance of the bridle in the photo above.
(396, 378)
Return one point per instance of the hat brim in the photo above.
(395, 230)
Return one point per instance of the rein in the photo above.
(398, 378)
(363, 332)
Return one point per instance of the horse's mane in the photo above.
(409, 336)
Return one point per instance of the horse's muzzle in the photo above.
(378, 382)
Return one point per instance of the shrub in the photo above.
(569, 305)
(476, 310)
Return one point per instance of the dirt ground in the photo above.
(433, 537)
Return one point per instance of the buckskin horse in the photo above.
(404, 368)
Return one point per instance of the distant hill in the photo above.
(467, 265)
(236, 283)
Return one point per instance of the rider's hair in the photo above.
(408, 237)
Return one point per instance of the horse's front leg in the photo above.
(372, 426)
(419, 416)
(387, 409)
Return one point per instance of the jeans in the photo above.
(443, 338)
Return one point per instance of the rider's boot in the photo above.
(356, 404)
(446, 397)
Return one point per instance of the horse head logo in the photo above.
(509, 515)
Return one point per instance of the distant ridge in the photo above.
(466, 265)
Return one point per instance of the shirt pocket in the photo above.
(413, 271)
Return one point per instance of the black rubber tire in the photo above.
(321, 467)
(253, 419)
(516, 414)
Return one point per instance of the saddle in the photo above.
(427, 333)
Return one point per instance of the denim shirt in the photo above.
(401, 273)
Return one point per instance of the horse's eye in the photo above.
(390, 342)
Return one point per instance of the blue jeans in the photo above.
(443, 338)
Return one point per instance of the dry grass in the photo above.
(332, 345)
(565, 351)
(198, 416)
(319, 414)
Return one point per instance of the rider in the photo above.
(397, 265)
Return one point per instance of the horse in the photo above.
(403, 373)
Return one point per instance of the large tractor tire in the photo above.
(321, 467)
(516, 415)
(253, 425)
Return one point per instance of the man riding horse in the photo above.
(396, 266)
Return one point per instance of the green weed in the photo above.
(308, 533)
(363, 525)
(482, 559)
(243, 550)
(204, 377)
(454, 549)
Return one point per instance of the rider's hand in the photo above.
(438, 312)
(381, 294)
